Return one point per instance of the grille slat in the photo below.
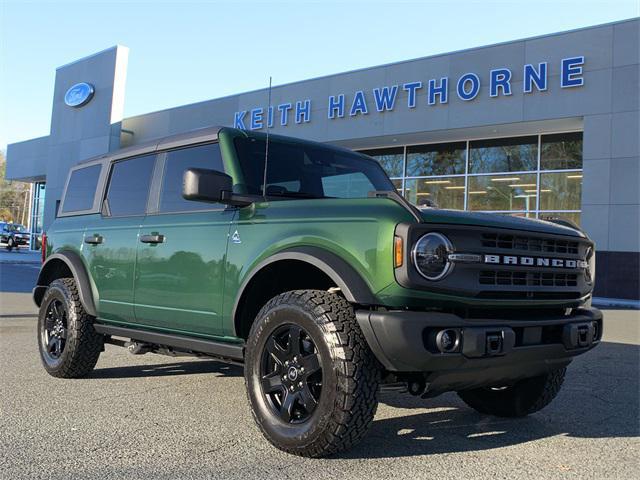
(527, 279)
(528, 244)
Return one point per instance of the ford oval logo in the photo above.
(79, 94)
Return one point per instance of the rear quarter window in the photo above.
(81, 189)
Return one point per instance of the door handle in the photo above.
(155, 238)
(93, 239)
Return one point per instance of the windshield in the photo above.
(299, 170)
(15, 227)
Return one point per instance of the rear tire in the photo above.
(69, 346)
(525, 397)
(327, 407)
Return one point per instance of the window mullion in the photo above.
(466, 176)
(538, 176)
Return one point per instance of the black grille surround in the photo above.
(539, 281)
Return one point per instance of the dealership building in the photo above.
(541, 127)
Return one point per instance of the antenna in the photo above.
(266, 147)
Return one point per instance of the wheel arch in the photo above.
(63, 264)
(328, 268)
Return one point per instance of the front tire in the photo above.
(311, 379)
(69, 346)
(10, 244)
(521, 399)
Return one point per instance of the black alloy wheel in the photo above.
(312, 381)
(291, 375)
(69, 345)
(54, 331)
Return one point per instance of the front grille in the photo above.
(530, 244)
(527, 279)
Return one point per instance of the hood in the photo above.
(458, 217)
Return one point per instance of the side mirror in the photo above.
(204, 185)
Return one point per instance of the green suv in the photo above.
(301, 261)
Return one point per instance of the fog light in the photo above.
(448, 340)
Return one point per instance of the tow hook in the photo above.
(579, 335)
(494, 344)
(487, 342)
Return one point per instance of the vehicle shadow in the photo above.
(599, 399)
(168, 370)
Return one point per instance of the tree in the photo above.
(14, 197)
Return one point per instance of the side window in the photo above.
(129, 186)
(203, 156)
(347, 185)
(81, 189)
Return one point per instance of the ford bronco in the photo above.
(300, 261)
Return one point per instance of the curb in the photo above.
(616, 303)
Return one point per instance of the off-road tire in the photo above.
(523, 398)
(350, 374)
(82, 346)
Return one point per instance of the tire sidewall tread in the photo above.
(83, 344)
(351, 374)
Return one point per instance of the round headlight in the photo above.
(430, 256)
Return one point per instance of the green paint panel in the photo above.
(112, 264)
(179, 282)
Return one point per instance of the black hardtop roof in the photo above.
(201, 135)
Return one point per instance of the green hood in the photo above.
(496, 220)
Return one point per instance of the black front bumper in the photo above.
(490, 351)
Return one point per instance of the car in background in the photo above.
(13, 235)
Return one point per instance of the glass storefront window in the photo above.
(502, 192)
(37, 213)
(445, 192)
(436, 159)
(391, 159)
(561, 151)
(503, 155)
(501, 176)
(560, 191)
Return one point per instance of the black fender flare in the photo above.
(80, 275)
(350, 282)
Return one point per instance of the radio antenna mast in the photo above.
(266, 147)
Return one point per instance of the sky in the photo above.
(183, 52)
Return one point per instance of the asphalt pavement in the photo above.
(161, 417)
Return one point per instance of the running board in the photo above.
(224, 351)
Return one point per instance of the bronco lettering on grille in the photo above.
(534, 261)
